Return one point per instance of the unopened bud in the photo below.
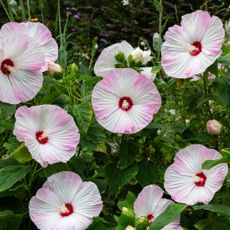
(54, 68)
(213, 127)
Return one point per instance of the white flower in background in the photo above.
(141, 56)
(125, 2)
(172, 111)
(107, 61)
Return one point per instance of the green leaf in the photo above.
(117, 178)
(126, 218)
(93, 138)
(21, 154)
(156, 69)
(83, 114)
(224, 59)
(211, 163)
(217, 208)
(142, 223)
(216, 223)
(223, 85)
(11, 174)
(128, 202)
(128, 151)
(99, 224)
(225, 159)
(148, 172)
(6, 213)
(55, 168)
(9, 220)
(171, 214)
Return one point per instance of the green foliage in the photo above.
(9, 175)
(128, 152)
(213, 224)
(128, 202)
(9, 220)
(21, 154)
(172, 213)
(217, 208)
(223, 85)
(117, 178)
(83, 114)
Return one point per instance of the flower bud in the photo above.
(54, 68)
(213, 127)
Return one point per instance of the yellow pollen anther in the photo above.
(125, 104)
(197, 179)
(63, 208)
(192, 48)
(11, 69)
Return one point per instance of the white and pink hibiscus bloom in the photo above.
(40, 36)
(107, 61)
(49, 133)
(124, 101)
(25, 51)
(187, 182)
(191, 48)
(150, 204)
(65, 202)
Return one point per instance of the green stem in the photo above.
(205, 81)
(6, 11)
(28, 8)
(59, 23)
(160, 25)
(22, 10)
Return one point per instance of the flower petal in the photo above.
(59, 127)
(196, 24)
(106, 61)
(88, 200)
(25, 84)
(43, 209)
(73, 183)
(125, 83)
(197, 27)
(180, 176)
(61, 189)
(6, 91)
(147, 200)
(43, 37)
(213, 38)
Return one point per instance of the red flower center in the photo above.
(66, 209)
(150, 218)
(4, 66)
(125, 103)
(41, 137)
(196, 48)
(200, 179)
